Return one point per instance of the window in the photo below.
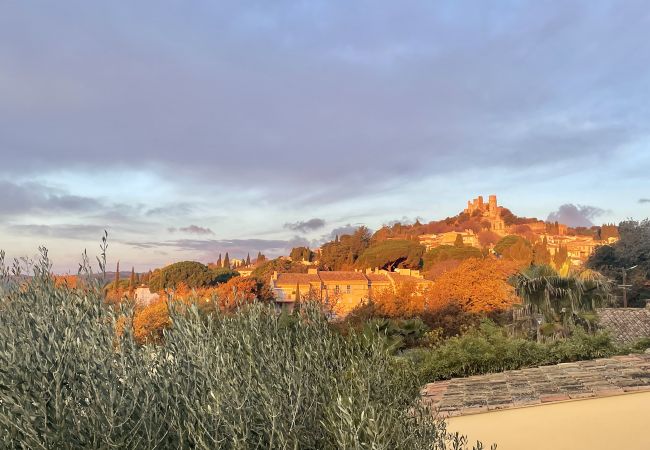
(336, 288)
(349, 289)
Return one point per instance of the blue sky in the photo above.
(192, 128)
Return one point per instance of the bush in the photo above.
(251, 379)
(488, 349)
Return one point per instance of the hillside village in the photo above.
(351, 269)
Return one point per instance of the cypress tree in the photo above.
(297, 292)
(248, 259)
(226, 261)
(132, 280)
(117, 276)
(219, 263)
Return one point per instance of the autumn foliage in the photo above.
(477, 285)
(150, 322)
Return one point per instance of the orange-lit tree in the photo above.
(477, 285)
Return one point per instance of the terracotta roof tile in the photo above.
(378, 278)
(296, 278)
(348, 276)
(626, 325)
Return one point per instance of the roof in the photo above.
(348, 276)
(296, 278)
(626, 325)
(378, 278)
(539, 385)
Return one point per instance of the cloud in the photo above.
(340, 231)
(65, 231)
(576, 215)
(32, 197)
(236, 247)
(306, 226)
(644, 200)
(195, 229)
(430, 103)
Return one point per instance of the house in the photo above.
(143, 296)
(342, 290)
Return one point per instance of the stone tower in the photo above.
(492, 208)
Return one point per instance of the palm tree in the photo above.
(561, 299)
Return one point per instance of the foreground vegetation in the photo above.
(73, 376)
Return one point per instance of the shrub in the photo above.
(251, 379)
(488, 349)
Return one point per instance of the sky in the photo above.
(192, 128)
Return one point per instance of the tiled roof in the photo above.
(296, 278)
(349, 276)
(626, 325)
(538, 385)
(378, 278)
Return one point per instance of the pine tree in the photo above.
(226, 261)
(248, 259)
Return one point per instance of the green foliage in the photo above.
(488, 349)
(223, 275)
(632, 249)
(301, 254)
(392, 254)
(561, 299)
(192, 273)
(342, 252)
(265, 270)
(515, 248)
(399, 333)
(252, 379)
(449, 252)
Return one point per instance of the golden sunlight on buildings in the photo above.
(344, 290)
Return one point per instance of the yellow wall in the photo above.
(610, 423)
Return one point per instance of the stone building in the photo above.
(490, 211)
(344, 290)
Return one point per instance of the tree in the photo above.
(477, 285)
(226, 261)
(459, 240)
(260, 258)
(117, 276)
(560, 257)
(631, 250)
(301, 254)
(132, 280)
(391, 254)
(541, 255)
(150, 322)
(238, 291)
(561, 299)
(515, 248)
(487, 238)
(219, 262)
(344, 251)
(448, 252)
(248, 260)
(192, 273)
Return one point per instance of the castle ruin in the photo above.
(490, 211)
